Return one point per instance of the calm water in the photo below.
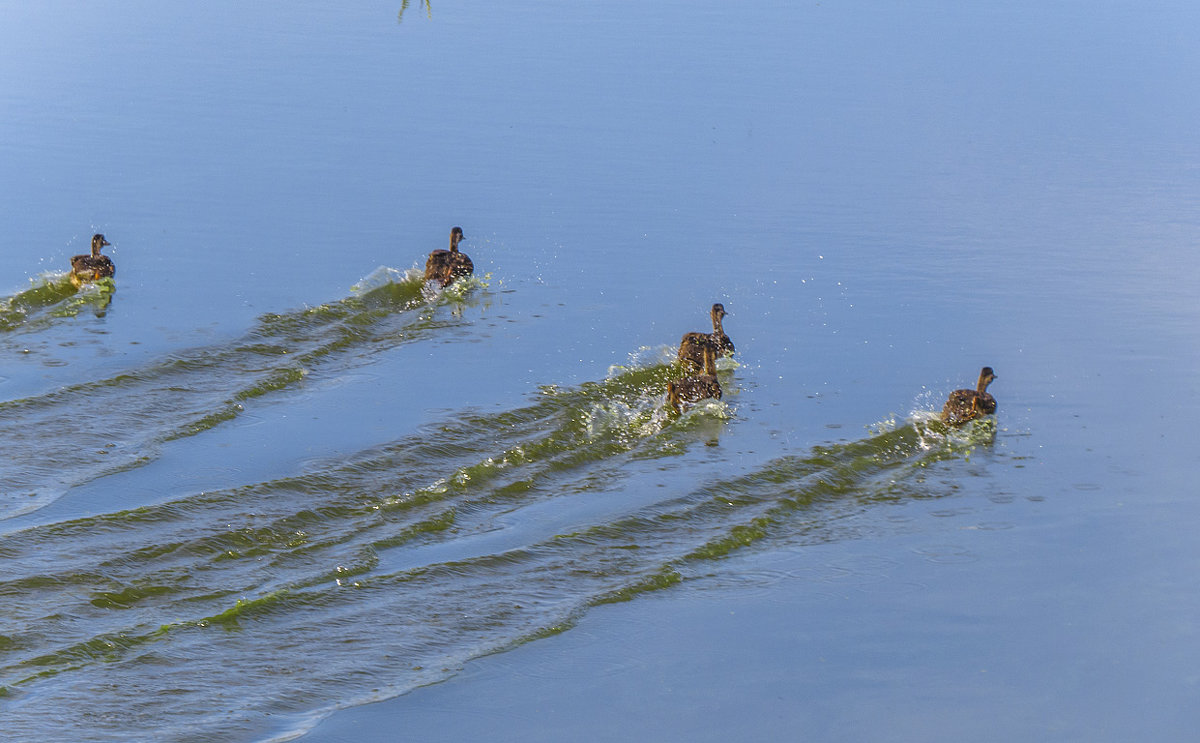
(266, 485)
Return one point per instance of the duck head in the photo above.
(456, 235)
(98, 242)
(986, 375)
(718, 312)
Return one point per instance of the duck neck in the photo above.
(717, 329)
(710, 365)
(454, 243)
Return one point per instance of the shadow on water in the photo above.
(52, 296)
(365, 578)
(74, 434)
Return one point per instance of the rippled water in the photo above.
(382, 572)
(265, 476)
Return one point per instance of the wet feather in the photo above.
(692, 345)
(86, 268)
(967, 405)
(695, 388)
(444, 266)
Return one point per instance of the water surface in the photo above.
(267, 477)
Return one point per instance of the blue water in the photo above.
(269, 487)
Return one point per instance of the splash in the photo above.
(932, 433)
(457, 291)
(464, 539)
(51, 295)
(644, 357)
(386, 278)
(664, 355)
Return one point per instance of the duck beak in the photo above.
(104, 242)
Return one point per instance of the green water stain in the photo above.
(438, 523)
(663, 579)
(276, 379)
(254, 542)
(95, 295)
(739, 536)
(129, 596)
(345, 325)
(53, 296)
(541, 633)
(103, 649)
(212, 420)
(720, 518)
(245, 609)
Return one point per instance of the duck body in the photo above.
(967, 405)
(696, 388)
(444, 266)
(692, 345)
(86, 268)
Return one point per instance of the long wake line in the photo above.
(76, 434)
(407, 545)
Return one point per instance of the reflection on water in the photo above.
(404, 7)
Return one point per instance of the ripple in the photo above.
(947, 554)
(581, 665)
(432, 533)
(993, 526)
(752, 583)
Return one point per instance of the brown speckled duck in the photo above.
(700, 387)
(444, 266)
(967, 405)
(91, 267)
(691, 347)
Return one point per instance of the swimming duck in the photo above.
(691, 346)
(694, 389)
(91, 267)
(445, 266)
(967, 405)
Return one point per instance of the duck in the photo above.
(444, 266)
(696, 388)
(692, 344)
(967, 405)
(86, 268)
